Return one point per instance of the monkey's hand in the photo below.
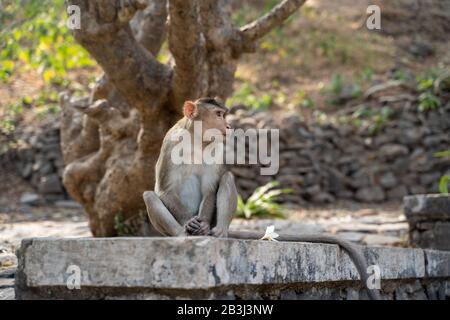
(218, 233)
(197, 227)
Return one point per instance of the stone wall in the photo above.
(320, 162)
(211, 268)
(429, 221)
(326, 162)
(39, 161)
(415, 16)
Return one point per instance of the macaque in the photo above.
(192, 199)
(201, 199)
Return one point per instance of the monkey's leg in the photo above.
(160, 216)
(226, 204)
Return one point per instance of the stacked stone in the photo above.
(40, 161)
(322, 163)
(429, 221)
(431, 17)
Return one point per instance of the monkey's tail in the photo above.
(351, 249)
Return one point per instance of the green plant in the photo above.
(428, 86)
(445, 180)
(443, 184)
(337, 84)
(428, 101)
(380, 120)
(339, 90)
(46, 103)
(372, 120)
(262, 202)
(247, 12)
(121, 226)
(366, 74)
(400, 75)
(442, 154)
(303, 100)
(425, 81)
(34, 36)
(6, 69)
(246, 96)
(12, 115)
(362, 112)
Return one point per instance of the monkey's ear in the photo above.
(189, 109)
(219, 100)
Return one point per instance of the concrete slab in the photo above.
(202, 264)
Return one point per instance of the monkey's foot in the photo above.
(218, 233)
(197, 227)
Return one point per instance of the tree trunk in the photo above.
(111, 140)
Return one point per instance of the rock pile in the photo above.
(429, 221)
(324, 162)
(320, 162)
(40, 162)
(408, 17)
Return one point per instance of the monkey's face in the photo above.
(214, 118)
(212, 115)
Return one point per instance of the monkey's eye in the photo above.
(219, 114)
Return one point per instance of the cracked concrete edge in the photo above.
(216, 262)
(426, 207)
(437, 263)
(20, 278)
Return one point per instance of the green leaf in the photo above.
(428, 101)
(443, 184)
(261, 202)
(442, 154)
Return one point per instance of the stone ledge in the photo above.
(427, 207)
(205, 264)
(429, 221)
(437, 263)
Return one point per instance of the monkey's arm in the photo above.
(226, 203)
(200, 224)
(207, 207)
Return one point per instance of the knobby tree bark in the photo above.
(111, 140)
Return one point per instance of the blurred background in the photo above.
(364, 118)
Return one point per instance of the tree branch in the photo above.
(263, 25)
(149, 25)
(187, 45)
(106, 34)
(79, 133)
(220, 35)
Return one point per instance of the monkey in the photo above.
(201, 199)
(186, 196)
